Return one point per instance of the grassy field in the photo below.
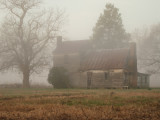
(79, 104)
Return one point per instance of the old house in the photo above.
(90, 68)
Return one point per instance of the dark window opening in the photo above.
(66, 61)
(146, 80)
(89, 79)
(106, 75)
(82, 55)
(125, 78)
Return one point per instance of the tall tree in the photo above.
(25, 35)
(109, 31)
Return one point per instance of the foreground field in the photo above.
(50, 104)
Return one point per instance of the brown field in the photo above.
(79, 104)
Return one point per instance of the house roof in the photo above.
(105, 59)
(73, 46)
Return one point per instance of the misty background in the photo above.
(82, 16)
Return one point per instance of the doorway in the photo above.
(89, 79)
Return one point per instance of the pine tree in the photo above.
(109, 31)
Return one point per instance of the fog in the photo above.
(81, 17)
(83, 14)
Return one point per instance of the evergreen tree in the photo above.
(109, 31)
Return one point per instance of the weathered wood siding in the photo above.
(115, 79)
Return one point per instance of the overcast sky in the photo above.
(83, 14)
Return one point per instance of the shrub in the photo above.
(58, 77)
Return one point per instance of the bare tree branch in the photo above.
(25, 36)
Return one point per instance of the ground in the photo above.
(79, 104)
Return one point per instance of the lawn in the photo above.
(79, 104)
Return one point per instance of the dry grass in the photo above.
(79, 104)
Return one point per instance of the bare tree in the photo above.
(149, 49)
(25, 35)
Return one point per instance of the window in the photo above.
(106, 75)
(145, 79)
(81, 54)
(66, 59)
(89, 79)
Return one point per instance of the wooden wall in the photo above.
(115, 79)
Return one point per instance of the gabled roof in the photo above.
(105, 60)
(73, 46)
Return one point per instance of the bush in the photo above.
(58, 77)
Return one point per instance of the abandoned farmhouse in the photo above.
(99, 68)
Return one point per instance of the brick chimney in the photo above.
(133, 64)
(59, 41)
